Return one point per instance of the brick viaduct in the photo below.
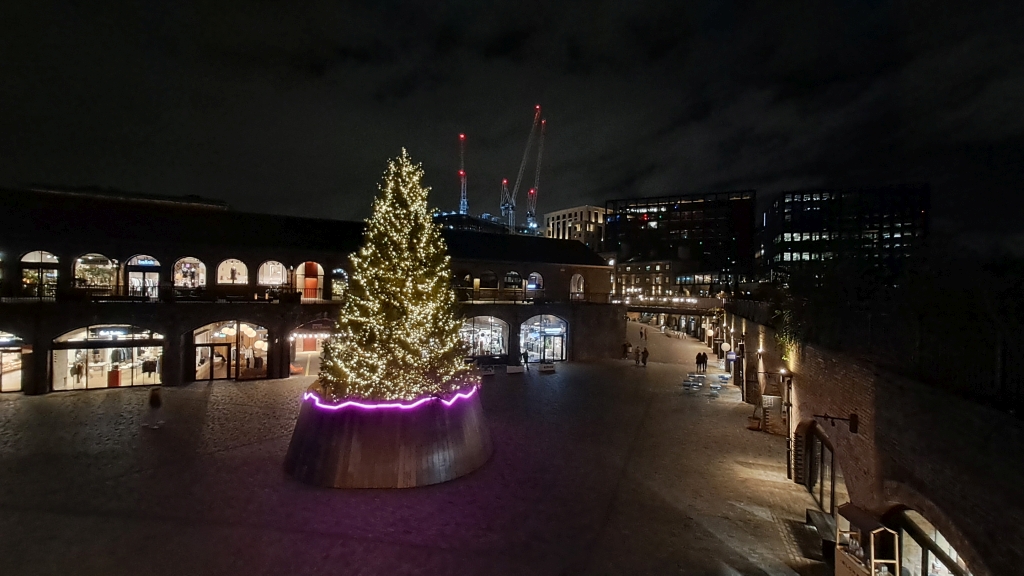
(956, 463)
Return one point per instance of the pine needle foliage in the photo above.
(398, 334)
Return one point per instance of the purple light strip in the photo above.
(324, 406)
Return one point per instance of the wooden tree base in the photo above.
(356, 447)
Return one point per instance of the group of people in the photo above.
(702, 362)
(640, 356)
(640, 353)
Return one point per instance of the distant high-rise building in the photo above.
(807, 230)
(705, 242)
(583, 223)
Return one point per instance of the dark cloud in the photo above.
(282, 107)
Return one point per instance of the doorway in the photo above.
(215, 362)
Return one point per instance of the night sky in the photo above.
(294, 108)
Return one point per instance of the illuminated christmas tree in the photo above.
(398, 335)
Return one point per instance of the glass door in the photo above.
(215, 362)
(10, 370)
(143, 283)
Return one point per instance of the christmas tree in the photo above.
(398, 335)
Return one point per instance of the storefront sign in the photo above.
(730, 355)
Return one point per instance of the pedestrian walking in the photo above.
(698, 361)
(704, 361)
(636, 355)
(154, 417)
(643, 357)
(526, 359)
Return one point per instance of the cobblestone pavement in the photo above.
(601, 468)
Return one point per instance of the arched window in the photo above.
(488, 279)
(143, 275)
(309, 278)
(271, 273)
(39, 274)
(485, 336)
(513, 280)
(95, 271)
(232, 271)
(535, 282)
(339, 283)
(576, 287)
(542, 338)
(230, 350)
(189, 272)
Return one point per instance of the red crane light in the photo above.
(462, 172)
(504, 180)
(462, 136)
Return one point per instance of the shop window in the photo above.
(10, 362)
(39, 274)
(232, 271)
(271, 273)
(143, 276)
(488, 279)
(576, 286)
(106, 356)
(230, 350)
(513, 280)
(306, 344)
(925, 551)
(189, 272)
(535, 281)
(543, 338)
(339, 283)
(485, 336)
(309, 278)
(95, 272)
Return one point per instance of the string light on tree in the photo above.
(398, 334)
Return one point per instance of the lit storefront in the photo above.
(824, 476)
(230, 350)
(10, 363)
(309, 278)
(306, 343)
(543, 338)
(107, 356)
(486, 337)
(142, 273)
(923, 550)
(95, 273)
(232, 271)
(39, 274)
(189, 272)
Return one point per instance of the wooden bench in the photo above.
(825, 524)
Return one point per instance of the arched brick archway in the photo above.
(902, 497)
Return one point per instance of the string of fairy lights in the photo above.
(398, 334)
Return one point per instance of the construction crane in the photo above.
(508, 199)
(531, 198)
(463, 199)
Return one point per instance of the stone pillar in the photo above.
(35, 367)
(172, 365)
(278, 354)
(515, 354)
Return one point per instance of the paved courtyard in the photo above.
(601, 468)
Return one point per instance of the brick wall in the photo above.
(957, 463)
